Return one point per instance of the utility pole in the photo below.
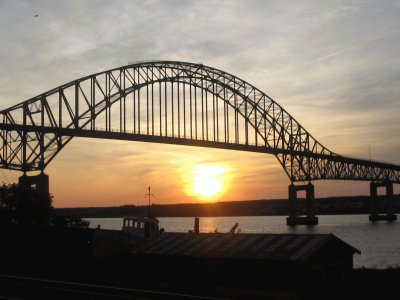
(149, 195)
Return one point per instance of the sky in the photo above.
(333, 65)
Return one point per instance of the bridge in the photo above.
(179, 103)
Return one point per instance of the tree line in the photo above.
(278, 207)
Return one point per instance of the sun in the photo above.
(208, 180)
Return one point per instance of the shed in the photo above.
(303, 264)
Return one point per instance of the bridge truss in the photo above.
(174, 103)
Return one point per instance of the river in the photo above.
(379, 242)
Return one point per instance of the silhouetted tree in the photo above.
(29, 207)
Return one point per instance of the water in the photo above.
(378, 242)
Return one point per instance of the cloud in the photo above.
(333, 65)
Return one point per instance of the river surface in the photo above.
(378, 242)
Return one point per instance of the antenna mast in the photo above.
(149, 195)
(369, 151)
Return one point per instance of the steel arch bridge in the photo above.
(174, 103)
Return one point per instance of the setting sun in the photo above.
(208, 180)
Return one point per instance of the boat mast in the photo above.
(149, 195)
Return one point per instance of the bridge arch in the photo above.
(188, 100)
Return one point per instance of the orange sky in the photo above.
(91, 172)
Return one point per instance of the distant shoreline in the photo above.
(229, 216)
(323, 206)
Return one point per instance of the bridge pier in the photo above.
(39, 182)
(294, 217)
(375, 215)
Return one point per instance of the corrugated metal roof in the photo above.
(294, 247)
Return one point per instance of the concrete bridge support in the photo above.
(375, 215)
(40, 182)
(294, 217)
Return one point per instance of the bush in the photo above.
(68, 221)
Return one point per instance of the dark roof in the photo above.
(293, 247)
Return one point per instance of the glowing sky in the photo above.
(333, 65)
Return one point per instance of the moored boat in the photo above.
(141, 226)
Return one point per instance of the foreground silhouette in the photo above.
(28, 207)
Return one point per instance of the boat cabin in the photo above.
(141, 226)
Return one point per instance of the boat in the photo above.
(140, 226)
(146, 227)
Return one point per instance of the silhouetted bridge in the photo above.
(184, 104)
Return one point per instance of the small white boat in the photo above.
(141, 226)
